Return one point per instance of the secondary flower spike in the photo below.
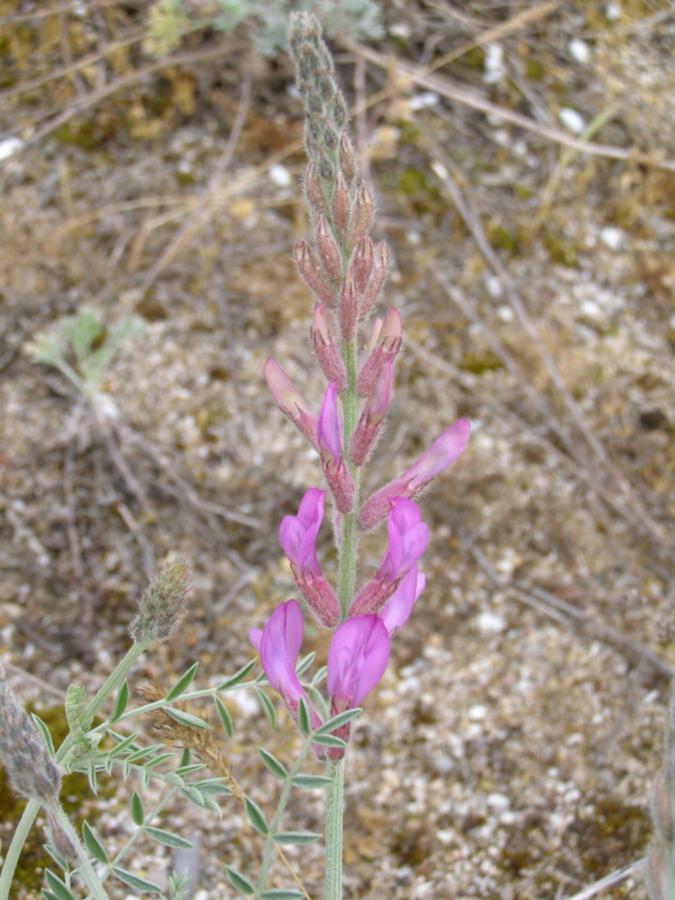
(290, 401)
(408, 538)
(297, 536)
(444, 450)
(330, 448)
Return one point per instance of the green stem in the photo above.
(276, 821)
(346, 580)
(84, 866)
(32, 808)
(16, 846)
(334, 812)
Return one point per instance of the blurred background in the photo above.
(523, 160)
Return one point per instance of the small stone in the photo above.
(280, 175)
(579, 50)
(9, 146)
(477, 712)
(572, 120)
(612, 237)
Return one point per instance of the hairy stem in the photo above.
(84, 866)
(346, 581)
(31, 810)
(334, 811)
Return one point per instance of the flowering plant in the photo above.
(345, 271)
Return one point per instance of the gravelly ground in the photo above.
(509, 750)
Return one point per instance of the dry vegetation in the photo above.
(509, 751)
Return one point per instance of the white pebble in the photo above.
(9, 146)
(612, 237)
(477, 712)
(280, 175)
(579, 50)
(572, 120)
(490, 623)
(612, 11)
(423, 101)
(494, 63)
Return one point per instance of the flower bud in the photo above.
(162, 607)
(313, 190)
(347, 159)
(325, 348)
(341, 204)
(384, 344)
(310, 273)
(361, 264)
(377, 278)
(370, 422)
(348, 308)
(328, 250)
(364, 210)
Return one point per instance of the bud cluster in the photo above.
(345, 271)
(31, 771)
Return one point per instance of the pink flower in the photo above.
(444, 450)
(279, 645)
(329, 438)
(357, 658)
(398, 608)
(408, 538)
(290, 401)
(297, 536)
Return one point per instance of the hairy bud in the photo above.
(377, 279)
(162, 607)
(325, 348)
(309, 271)
(341, 204)
(348, 308)
(313, 190)
(347, 159)
(328, 250)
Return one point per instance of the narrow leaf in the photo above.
(93, 844)
(44, 731)
(303, 717)
(329, 740)
(135, 881)
(188, 719)
(91, 777)
(183, 682)
(281, 894)
(320, 675)
(57, 887)
(122, 746)
(305, 663)
(273, 764)
(224, 716)
(188, 770)
(256, 817)
(296, 837)
(268, 707)
(238, 676)
(168, 838)
(311, 781)
(137, 809)
(238, 881)
(120, 702)
(213, 787)
(339, 719)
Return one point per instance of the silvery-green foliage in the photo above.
(266, 21)
(82, 347)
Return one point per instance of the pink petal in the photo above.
(398, 609)
(357, 658)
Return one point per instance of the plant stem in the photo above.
(346, 581)
(16, 846)
(112, 682)
(334, 812)
(84, 866)
(276, 821)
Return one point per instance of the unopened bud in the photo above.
(310, 273)
(377, 279)
(347, 159)
(363, 212)
(340, 114)
(325, 168)
(348, 308)
(162, 607)
(341, 204)
(313, 190)
(361, 264)
(371, 419)
(328, 250)
(325, 348)
(384, 344)
(330, 138)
